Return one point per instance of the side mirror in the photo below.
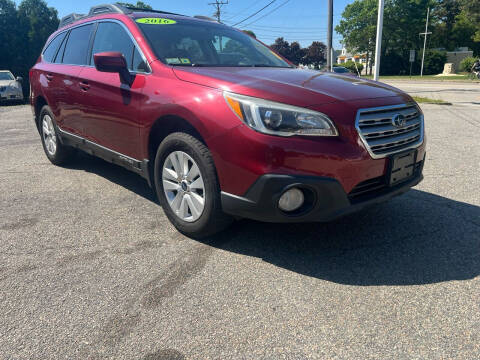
(112, 62)
(19, 79)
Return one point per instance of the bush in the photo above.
(467, 63)
(434, 62)
(350, 65)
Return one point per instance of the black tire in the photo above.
(63, 153)
(213, 219)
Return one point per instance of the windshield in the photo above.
(199, 43)
(340, 70)
(4, 75)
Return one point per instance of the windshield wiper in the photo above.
(272, 66)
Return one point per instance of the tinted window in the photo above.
(51, 50)
(113, 37)
(201, 43)
(58, 58)
(138, 64)
(77, 46)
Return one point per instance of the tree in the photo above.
(139, 4)
(315, 54)
(297, 53)
(358, 27)
(9, 35)
(39, 21)
(282, 47)
(250, 32)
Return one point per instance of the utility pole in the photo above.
(425, 41)
(329, 35)
(218, 7)
(378, 45)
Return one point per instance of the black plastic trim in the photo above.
(260, 201)
(137, 166)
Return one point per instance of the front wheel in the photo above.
(187, 186)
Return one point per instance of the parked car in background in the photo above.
(342, 70)
(220, 125)
(10, 87)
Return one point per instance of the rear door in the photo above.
(70, 60)
(111, 107)
(50, 74)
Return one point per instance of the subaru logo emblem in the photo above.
(398, 120)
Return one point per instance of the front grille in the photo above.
(381, 137)
(377, 186)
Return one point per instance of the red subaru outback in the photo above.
(219, 124)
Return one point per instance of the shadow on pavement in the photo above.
(417, 238)
(113, 173)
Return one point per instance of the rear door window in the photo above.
(51, 50)
(77, 45)
(111, 36)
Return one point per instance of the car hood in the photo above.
(293, 86)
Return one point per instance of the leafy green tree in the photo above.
(9, 36)
(358, 27)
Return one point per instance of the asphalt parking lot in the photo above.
(90, 268)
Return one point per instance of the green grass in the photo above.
(420, 99)
(458, 77)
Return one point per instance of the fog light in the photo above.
(291, 200)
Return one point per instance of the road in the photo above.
(90, 268)
(455, 92)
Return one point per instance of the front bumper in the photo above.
(327, 202)
(11, 95)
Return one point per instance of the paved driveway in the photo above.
(91, 269)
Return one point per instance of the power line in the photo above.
(261, 17)
(238, 13)
(255, 13)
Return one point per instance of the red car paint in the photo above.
(97, 112)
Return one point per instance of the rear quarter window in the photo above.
(51, 50)
(77, 45)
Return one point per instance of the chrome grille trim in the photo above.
(381, 138)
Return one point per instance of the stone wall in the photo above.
(455, 57)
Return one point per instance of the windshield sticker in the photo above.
(185, 61)
(155, 21)
(173, 61)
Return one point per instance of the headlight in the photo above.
(279, 119)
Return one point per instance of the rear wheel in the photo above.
(56, 152)
(187, 186)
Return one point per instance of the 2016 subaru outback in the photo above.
(221, 126)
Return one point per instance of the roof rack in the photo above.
(108, 9)
(70, 19)
(131, 9)
(203, 17)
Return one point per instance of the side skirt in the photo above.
(137, 166)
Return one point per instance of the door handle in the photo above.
(85, 86)
(49, 77)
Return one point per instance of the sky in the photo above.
(296, 20)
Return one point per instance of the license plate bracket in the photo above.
(402, 167)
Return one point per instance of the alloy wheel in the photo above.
(183, 186)
(49, 135)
